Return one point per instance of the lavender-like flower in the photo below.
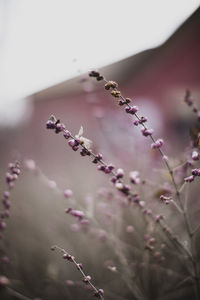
(86, 278)
(11, 176)
(124, 189)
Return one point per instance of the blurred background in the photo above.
(47, 48)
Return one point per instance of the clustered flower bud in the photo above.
(99, 293)
(149, 243)
(147, 132)
(124, 188)
(195, 155)
(85, 152)
(134, 177)
(158, 218)
(165, 199)
(68, 193)
(68, 257)
(75, 213)
(195, 172)
(131, 110)
(158, 144)
(96, 75)
(189, 178)
(86, 279)
(67, 134)
(141, 120)
(106, 169)
(11, 177)
(119, 173)
(97, 158)
(55, 124)
(124, 102)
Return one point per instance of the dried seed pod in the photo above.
(128, 100)
(94, 74)
(111, 85)
(99, 78)
(115, 94)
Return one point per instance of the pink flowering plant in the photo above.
(138, 237)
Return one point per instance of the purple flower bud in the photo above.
(97, 158)
(136, 198)
(113, 179)
(72, 143)
(68, 210)
(75, 227)
(75, 148)
(107, 170)
(134, 177)
(99, 293)
(80, 266)
(59, 127)
(195, 155)
(15, 177)
(111, 167)
(67, 134)
(6, 203)
(16, 171)
(2, 225)
(9, 177)
(147, 132)
(158, 144)
(11, 165)
(165, 158)
(68, 193)
(68, 257)
(158, 218)
(130, 229)
(11, 185)
(136, 122)
(119, 185)
(120, 173)
(84, 152)
(84, 222)
(101, 168)
(131, 110)
(77, 142)
(189, 178)
(77, 213)
(6, 194)
(86, 279)
(189, 101)
(121, 102)
(195, 110)
(196, 172)
(50, 124)
(142, 120)
(30, 164)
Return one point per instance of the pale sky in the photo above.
(41, 39)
